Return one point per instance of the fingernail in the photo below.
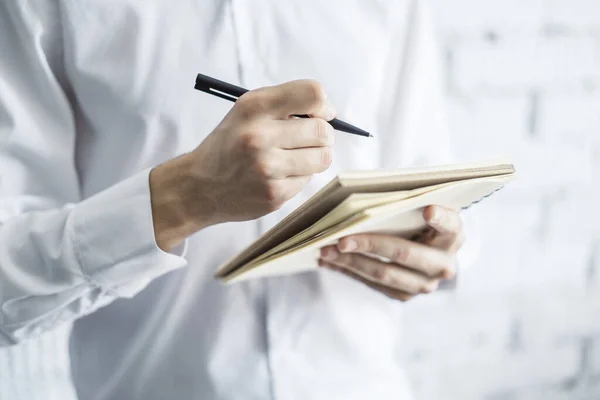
(330, 254)
(348, 245)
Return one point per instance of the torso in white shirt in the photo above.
(131, 66)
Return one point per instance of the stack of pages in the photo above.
(364, 201)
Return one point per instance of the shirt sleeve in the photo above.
(415, 113)
(61, 256)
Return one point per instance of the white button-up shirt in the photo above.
(95, 93)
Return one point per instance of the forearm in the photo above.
(169, 183)
(182, 203)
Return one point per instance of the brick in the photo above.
(499, 243)
(495, 324)
(584, 382)
(533, 392)
(594, 359)
(467, 327)
(539, 165)
(553, 263)
(574, 214)
(596, 155)
(522, 60)
(572, 116)
(482, 376)
(484, 120)
(543, 319)
(573, 13)
(593, 265)
(531, 265)
(470, 15)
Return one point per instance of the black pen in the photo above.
(231, 92)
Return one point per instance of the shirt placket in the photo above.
(250, 75)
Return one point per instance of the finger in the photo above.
(280, 164)
(299, 97)
(385, 274)
(281, 190)
(428, 260)
(295, 184)
(389, 292)
(307, 161)
(447, 225)
(305, 132)
(446, 242)
(442, 219)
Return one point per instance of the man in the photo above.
(122, 189)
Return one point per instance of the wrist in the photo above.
(175, 216)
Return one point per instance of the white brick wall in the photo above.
(524, 80)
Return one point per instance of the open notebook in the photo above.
(363, 201)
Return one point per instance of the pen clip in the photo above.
(207, 89)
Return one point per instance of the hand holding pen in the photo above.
(231, 92)
(255, 160)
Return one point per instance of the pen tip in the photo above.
(371, 135)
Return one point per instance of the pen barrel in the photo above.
(231, 92)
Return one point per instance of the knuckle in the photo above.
(294, 163)
(346, 259)
(448, 271)
(325, 157)
(251, 103)
(274, 206)
(401, 255)
(424, 288)
(429, 287)
(321, 131)
(274, 195)
(264, 168)
(381, 274)
(365, 244)
(252, 141)
(316, 92)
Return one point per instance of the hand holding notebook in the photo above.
(398, 267)
(365, 201)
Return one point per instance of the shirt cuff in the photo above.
(114, 242)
